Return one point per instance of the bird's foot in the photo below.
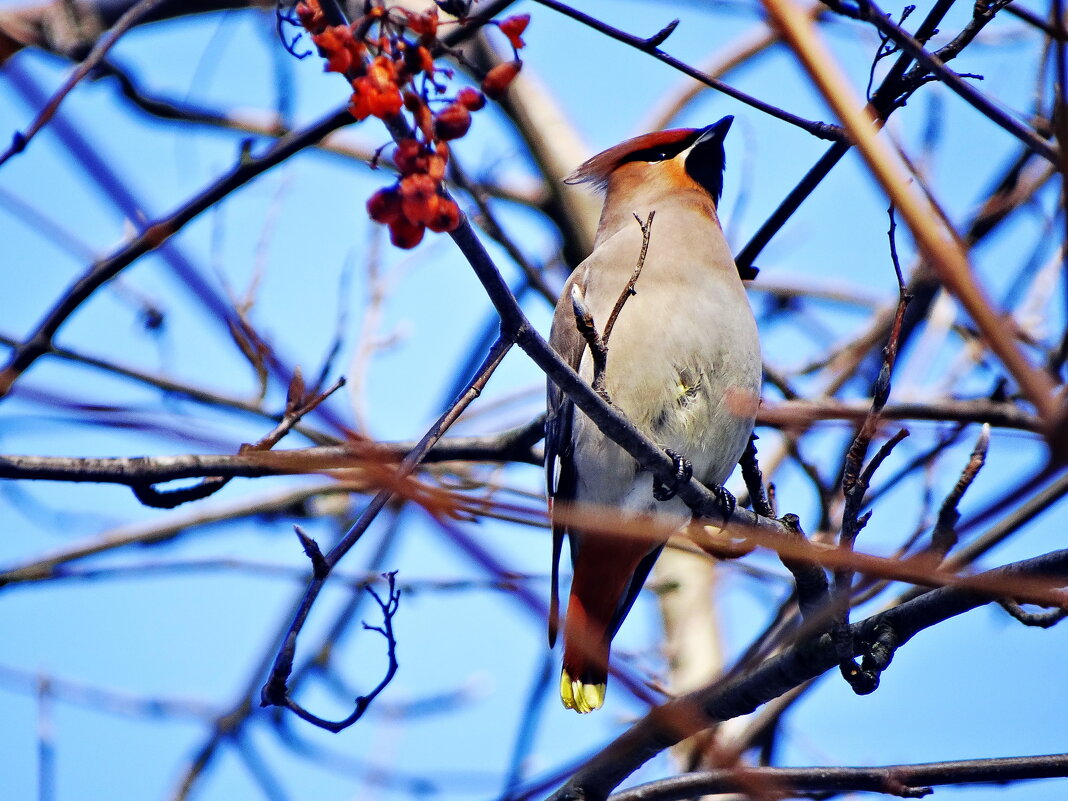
(683, 472)
(725, 502)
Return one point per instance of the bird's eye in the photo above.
(652, 155)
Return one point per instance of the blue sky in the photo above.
(979, 686)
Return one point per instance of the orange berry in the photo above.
(424, 121)
(410, 157)
(513, 28)
(425, 24)
(435, 166)
(497, 80)
(311, 16)
(376, 94)
(387, 104)
(452, 123)
(471, 99)
(360, 102)
(419, 197)
(405, 234)
(447, 217)
(382, 73)
(384, 206)
(334, 44)
(426, 61)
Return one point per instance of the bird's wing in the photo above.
(559, 457)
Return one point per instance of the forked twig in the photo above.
(131, 17)
(597, 342)
(297, 405)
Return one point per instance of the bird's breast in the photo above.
(683, 357)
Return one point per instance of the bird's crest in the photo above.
(656, 146)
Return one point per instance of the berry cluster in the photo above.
(388, 58)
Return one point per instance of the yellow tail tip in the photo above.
(581, 697)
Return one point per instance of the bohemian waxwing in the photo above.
(683, 364)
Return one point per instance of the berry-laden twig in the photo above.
(387, 56)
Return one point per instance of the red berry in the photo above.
(405, 234)
(452, 123)
(513, 28)
(384, 206)
(447, 217)
(471, 99)
(497, 80)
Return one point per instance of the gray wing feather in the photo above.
(560, 475)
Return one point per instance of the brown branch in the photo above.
(297, 406)
(1042, 620)
(587, 328)
(489, 223)
(855, 483)
(629, 290)
(514, 445)
(944, 535)
(154, 235)
(739, 695)
(908, 781)
(70, 29)
(800, 414)
(651, 44)
(892, 93)
(131, 17)
(597, 343)
(940, 247)
(171, 386)
(275, 691)
(810, 580)
(171, 526)
(869, 12)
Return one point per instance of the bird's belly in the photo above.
(690, 381)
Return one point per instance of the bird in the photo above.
(682, 363)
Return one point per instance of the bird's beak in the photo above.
(714, 133)
(704, 159)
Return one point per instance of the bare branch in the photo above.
(275, 692)
(906, 781)
(684, 716)
(650, 45)
(131, 17)
(154, 235)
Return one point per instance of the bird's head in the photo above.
(661, 161)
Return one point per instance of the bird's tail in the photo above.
(608, 573)
(586, 647)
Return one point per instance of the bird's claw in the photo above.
(683, 473)
(726, 502)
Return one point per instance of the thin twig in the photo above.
(940, 247)
(651, 44)
(629, 290)
(297, 405)
(586, 326)
(154, 235)
(907, 781)
(893, 92)
(944, 535)
(1043, 620)
(275, 692)
(870, 12)
(130, 18)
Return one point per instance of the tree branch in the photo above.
(683, 717)
(909, 781)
